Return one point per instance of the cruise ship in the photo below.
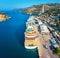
(30, 34)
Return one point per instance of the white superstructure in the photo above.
(30, 34)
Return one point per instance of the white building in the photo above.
(44, 28)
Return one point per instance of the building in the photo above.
(43, 9)
(44, 28)
(45, 32)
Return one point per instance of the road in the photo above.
(43, 51)
(43, 44)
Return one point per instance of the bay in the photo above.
(12, 37)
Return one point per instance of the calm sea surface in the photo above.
(12, 37)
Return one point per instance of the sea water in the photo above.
(12, 37)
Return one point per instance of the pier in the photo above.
(39, 38)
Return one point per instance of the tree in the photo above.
(57, 51)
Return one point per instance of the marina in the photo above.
(39, 39)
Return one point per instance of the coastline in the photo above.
(4, 17)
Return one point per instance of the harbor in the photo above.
(38, 39)
(30, 29)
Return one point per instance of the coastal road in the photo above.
(42, 43)
(41, 50)
(44, 52)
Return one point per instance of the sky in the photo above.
(12, 4)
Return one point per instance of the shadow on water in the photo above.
(26, 52)
(31, 53)
(20, 35)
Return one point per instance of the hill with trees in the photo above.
(51, 9)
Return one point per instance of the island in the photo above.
(3, 17)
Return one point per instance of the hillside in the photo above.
(36, 9)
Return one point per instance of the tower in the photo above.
(42, 8)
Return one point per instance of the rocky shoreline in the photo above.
(3, 17)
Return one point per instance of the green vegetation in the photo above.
(58, 23)
(57, 51)
(53, 30)
(30, 45)
(53, 11)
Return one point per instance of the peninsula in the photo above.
(3, 17)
